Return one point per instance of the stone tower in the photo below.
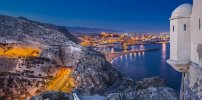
(186, 48)
(180, 32)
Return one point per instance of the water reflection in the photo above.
(131, 55)
(135, 54)
(164, 50)
(149, 64)
(139, 54)
(121, 58)
(112, 50)
(126, 57)
(143, 53)
(142, 47)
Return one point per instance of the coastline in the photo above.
(111, 56)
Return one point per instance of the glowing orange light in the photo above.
(62, 81)
(19, 51)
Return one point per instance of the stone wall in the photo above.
(193, 82)
(196, 29)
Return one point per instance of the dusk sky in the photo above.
(125, 15)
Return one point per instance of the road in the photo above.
(62, 81)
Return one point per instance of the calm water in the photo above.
(148, 64)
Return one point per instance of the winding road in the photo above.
(62, 81)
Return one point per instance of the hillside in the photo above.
(34, 54)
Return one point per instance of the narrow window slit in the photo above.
(185, 27)
(199, 24)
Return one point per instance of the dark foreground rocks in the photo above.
(53, 96)
(146, 89)
(149, 82)
(151, 93)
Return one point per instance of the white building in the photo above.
(186, 48)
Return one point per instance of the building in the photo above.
(186, 48)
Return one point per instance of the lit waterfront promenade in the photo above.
(111, 56)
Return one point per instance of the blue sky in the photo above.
(125, 15)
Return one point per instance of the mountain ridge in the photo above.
(87, 30)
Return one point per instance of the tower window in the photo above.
(199, 24)
(173, 28)
(185, 27)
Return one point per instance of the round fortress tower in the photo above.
(186, 48)
(180, 37)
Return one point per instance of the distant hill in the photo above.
(90, 31)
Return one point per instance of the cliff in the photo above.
(25, 74)
(192, 83)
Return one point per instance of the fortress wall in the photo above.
(196, 30)
(193, 83)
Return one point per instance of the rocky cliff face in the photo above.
(94, 73)
(192, 86)
(22, 77)
(151, 93)
(25, 77)
(149, 82)
(145, 89)
(51, 95)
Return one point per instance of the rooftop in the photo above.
(181, 11)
